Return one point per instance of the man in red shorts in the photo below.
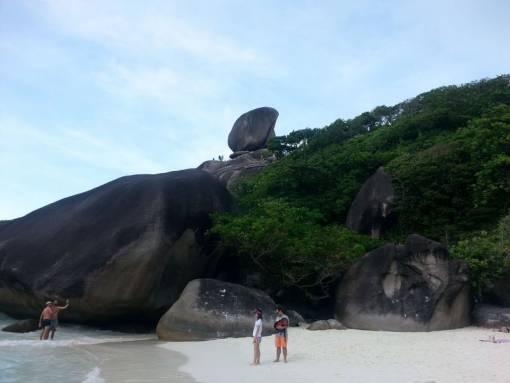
(281, 324)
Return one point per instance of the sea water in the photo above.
(85, 355)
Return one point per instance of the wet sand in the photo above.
(136, 362)
(85, 354)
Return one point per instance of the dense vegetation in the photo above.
(448, 151)
(487, 254)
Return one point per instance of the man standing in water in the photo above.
(54, 316)
(45, 320)
(280, 325)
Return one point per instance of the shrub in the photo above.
(290, 244)
(487, 254)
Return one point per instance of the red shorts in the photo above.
(280, 341)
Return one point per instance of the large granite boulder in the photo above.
(252, 129)
(371, 211)
(210, 309)
(411, 287)
(244, 165)
(27, 325)
(121, 252)
(491, 316)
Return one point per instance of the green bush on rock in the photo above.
(290, 243)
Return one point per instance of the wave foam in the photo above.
(84, 341)
(94, 376)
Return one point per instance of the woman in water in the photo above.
(257, 337)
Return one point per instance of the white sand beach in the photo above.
(354, 356)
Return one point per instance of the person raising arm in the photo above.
(54, 316)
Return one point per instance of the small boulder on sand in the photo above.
(330, 324)
(211, 309)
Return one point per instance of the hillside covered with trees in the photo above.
(448, 152)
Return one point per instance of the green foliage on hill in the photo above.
(448, 151)
(487, 254)
(459, 182)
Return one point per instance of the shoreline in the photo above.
(350, 356)
(137, 361)
(82, 354)
(354, 356)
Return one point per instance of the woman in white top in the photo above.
(257, 337)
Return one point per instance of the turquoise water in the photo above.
(71, 357)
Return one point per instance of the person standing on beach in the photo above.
(281, 324)
(45, 321)
(54, 316)
(257, 337)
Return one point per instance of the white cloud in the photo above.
(158, 83)
(107, 154)
(74, 145)
(143, 28)
(161, 84)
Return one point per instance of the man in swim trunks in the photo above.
(281, 336)
(54, 316)
(45, 320)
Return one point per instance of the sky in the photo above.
(94, 90)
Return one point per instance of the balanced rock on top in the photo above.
(252, 129)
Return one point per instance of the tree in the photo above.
(289, 243)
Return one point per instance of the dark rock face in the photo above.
(210, 309)
(121, 252)
(27, 325)
(237, 154)
(330, 324)
(252, 129)
(491, 316)
(499, 294)
(295, 318)
(405, 288)
(371, 210)
(244, 165)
